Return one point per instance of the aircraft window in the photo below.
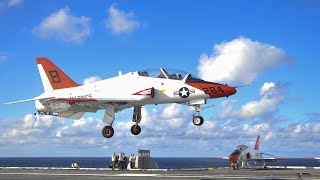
(149, 73)
(143, 73)
(193, 79)
(236, 151)
(164, 73)
(161, 76)
(242, 147)
(176, 74)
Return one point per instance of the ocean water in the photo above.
(164, 163)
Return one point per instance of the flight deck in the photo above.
(204, 173)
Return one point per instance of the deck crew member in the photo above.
(113, 160)
(121, 161)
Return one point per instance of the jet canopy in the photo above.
(168, 73)
(235, 152)
(242, 147)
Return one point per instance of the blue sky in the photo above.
(271, 45)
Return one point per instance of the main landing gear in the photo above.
(108, 118)
(108, 131)
(136, 129)
(197, 119)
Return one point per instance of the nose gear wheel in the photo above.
(197, 120)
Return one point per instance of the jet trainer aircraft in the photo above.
(244, 154)
(65, 98)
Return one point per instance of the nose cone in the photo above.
(233, 157)
(231, 90)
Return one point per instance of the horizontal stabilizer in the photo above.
(269, 154)
(267, 159)
(26, 100)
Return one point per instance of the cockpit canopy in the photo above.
(239, 149)
(242, 147)
(174, 74)
(164, 73)
(235, 152)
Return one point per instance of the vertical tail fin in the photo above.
(256, 147)
(52, 77)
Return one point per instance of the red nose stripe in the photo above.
(214, 90)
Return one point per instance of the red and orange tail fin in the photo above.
(256, 147)
(52, 77)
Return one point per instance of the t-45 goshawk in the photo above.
(65, 98)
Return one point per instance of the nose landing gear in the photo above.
(198, 119)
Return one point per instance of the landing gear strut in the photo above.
(197, 118)
(108, 118)
(136, 129)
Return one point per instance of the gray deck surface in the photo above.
(219, 173)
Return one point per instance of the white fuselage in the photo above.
(120, 88)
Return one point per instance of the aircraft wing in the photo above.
(102, 100)
(267, 159)
(93, 105)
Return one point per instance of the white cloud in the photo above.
(86, 132)
(167, 130)
(240, 60)
(31, 129)
(10, 3)
(270, 97)
(316, 128)
(268, 136)
(62, 25)
(162, 136)
(225, 109)
(91, 79)
(266, 86)
(121, 22)
(253, 130)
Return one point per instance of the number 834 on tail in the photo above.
(65, 98)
